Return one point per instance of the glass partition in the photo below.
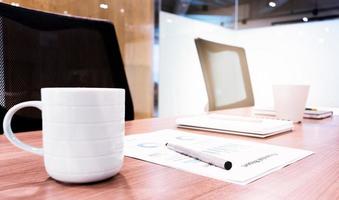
(286, 42)
(218, 12)
(253, 13)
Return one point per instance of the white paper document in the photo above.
(249, 126)
(250, 160)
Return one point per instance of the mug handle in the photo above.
(8, 130)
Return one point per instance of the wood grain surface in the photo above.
(22, 175)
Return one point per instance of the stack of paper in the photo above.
(317, 114)
(308, 113)
(250, 160)
(248, 126)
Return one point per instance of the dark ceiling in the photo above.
(254, 9)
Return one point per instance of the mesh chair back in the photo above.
(226, 75)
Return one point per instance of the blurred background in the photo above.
(286, 41)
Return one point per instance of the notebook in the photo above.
(247, 126)
(317, 114)
(308, 114)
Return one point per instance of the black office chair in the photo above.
(39, 49)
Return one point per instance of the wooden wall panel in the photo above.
(134, 22)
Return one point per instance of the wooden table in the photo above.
(22, 175)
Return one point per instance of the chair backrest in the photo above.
(226, 75)
(39, 49)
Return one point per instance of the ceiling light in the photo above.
(122, 10)
(65, 12)
(103, 6)
(15, 4)
(305, 19)
(272, 4)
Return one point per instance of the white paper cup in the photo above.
(290, 101)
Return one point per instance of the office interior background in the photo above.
(286, 41)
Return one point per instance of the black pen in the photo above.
(313, 109)
(204, 157)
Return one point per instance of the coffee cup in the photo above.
(290, 101)
(83, 132)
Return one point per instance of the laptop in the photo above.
(238, 125)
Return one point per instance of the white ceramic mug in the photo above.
(290, 101)
(83, 132)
